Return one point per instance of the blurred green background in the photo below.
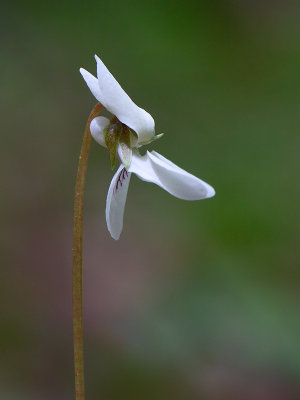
(198, 300)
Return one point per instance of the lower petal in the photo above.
(115, 202)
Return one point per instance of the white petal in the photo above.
(142, 167)
(115, 202)
(116, 101)
(97, 129)
(92, 83)
(153, 167)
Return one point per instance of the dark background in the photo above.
(197, 300)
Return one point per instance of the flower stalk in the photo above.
(77, 257)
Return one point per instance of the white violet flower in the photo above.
(130, 128)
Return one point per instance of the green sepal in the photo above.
(157, 137)
(151, 140)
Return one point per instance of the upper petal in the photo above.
(116, 101)
(97, 127)
(115, 202)
(153, 167)
(92, 83)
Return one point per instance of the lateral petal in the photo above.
(115, 202)
(97, 127)
(153, 167)
(125, 154)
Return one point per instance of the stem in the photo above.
(77, 257)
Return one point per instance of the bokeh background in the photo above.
(198, 300)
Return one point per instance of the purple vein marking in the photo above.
(121, 178)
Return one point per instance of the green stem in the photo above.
(77, 257)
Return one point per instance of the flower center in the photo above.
(118, 133)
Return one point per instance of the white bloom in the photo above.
(110, 94)
(152, 167)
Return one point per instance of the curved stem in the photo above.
(77, 257)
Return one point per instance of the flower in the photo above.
(130, 128)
